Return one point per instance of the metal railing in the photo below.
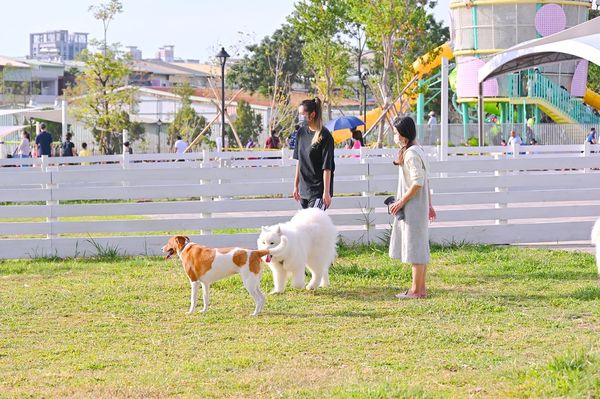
(543, 133)
(537, 85)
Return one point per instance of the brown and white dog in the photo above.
(205, 265)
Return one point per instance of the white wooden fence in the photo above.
(63, 206)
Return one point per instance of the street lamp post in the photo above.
(222, 57)
(363, 79)
(159, 124)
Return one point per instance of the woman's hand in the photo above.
(396, 206)
(327, 200)
(432, 214)
(296, 194)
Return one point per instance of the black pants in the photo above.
(310, 203)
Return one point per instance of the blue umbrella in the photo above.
(343, 122)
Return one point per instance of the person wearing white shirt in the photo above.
(432, 119)
(24, 148)
(431, 132)
(180, 145)
(514, 138)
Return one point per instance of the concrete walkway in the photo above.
(575, 246)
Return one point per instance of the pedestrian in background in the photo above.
(43, 142)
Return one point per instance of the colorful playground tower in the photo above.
(482, 28)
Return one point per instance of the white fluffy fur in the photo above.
(596, 242)
(311, 244)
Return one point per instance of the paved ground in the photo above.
(576, 246)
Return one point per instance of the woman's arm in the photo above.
(410, 193)
(326, 187)
(296, 192)
(432, 213)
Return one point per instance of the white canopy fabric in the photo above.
(54, 115)
(6, 130)
(580, 41)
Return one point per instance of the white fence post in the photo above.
(500, 205)
(370, 209)
(205, 164)
(587, 152)
(49, 187)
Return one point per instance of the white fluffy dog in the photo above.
(311, 244)
(596, 242)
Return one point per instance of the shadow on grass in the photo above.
(373, 314)
(559, 275)
(586, 294)
(361, 294)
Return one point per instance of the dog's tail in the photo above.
(276, 251)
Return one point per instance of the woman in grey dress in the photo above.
(410, 237)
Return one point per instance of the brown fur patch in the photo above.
(240, 257)
(198, 261)
(224, 250)
(255, 261)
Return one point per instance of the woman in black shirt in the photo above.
(313, 183)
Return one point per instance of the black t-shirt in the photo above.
(67, 149)
(313, 160)
(44, 139)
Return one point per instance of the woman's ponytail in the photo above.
(315, 105)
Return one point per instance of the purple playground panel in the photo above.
(466, 84)
(578, 84)
(550, 19)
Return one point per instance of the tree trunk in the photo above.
(385, 88)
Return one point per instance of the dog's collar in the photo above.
(184, 245)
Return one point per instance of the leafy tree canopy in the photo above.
(278, 54)
(187, 123)
(100, 99)
(248, 124)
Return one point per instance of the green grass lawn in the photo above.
(500, 322)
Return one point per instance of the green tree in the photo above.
(248, 124)
(321, 22)
(594, 70)
(398, 33)
(187, 123)
(277, 58)
(106, 13)
(271, 68)
(100, 99)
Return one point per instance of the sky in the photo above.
(197, 28)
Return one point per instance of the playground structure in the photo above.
(554, 93)
(481, 29)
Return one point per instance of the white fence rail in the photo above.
(71, 206)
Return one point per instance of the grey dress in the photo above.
(409, 241)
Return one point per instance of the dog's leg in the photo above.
(262, 298)
(298, 277)
(325, 279)
(598, 257)
(194, 296)
(251, 282)
(279, 277)
(316, 278)
(205, 296)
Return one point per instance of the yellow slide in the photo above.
(422, 66)
(592, 98)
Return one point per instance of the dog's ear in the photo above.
(187, 239)
(181, 240)
(278, 229)
(264, 228)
